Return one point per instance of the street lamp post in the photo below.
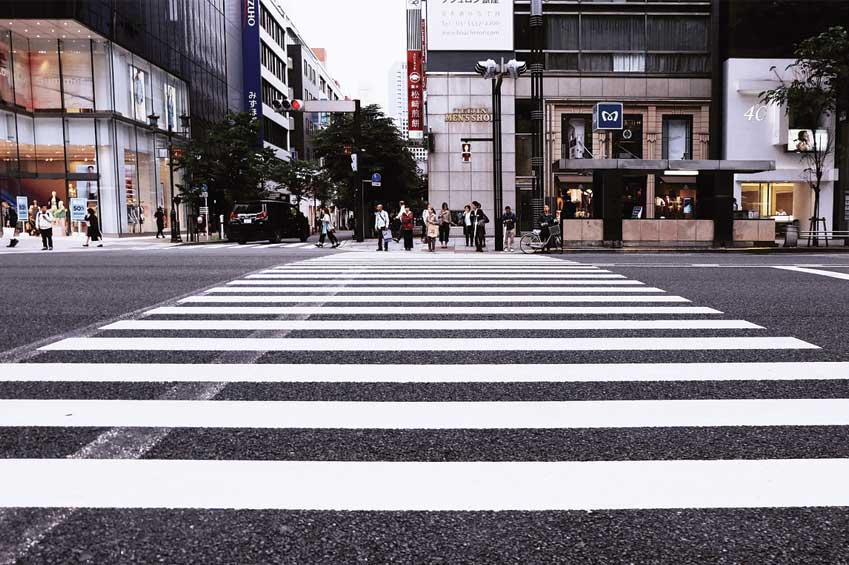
(491, 70)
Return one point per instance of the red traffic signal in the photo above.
(297, 105)
(467, 152)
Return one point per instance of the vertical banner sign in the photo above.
(78, 209)
(23, 208)
(251, 59)
(415, 101)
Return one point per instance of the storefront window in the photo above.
(26, 143)
(634, 198)
(628, 143)
(577, 137)
(147, 193)
(77, 78)
(22, 82)
(8, 144)
(49, 146)
(107, 196)
(677, 137)
(140, 90)
(675, 200)
(101, 57)
(7, 96)
(576, 199)
(46, 82)
(764, 200)
(81, 150)
(121, 71)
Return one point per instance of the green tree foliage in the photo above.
(381, 150)
(821, 65)
(227, 158)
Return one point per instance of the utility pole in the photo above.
(357, 187)
(537, 36)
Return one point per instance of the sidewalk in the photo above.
(27, 243)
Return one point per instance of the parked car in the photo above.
(273, 220)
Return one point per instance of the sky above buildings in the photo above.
(363, 39)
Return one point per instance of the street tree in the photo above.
(381, 150)
(228, 158)
(820, 67)
(297, 177)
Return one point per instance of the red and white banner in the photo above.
(415, 94)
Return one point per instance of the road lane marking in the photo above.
(430, 325)
(442, 299)
(423, 486)
(423, 373)
(428, 310)
(427, 275)
(426, 344)
(508, 415)
(527, 285)
(841, 276)
(236, 289)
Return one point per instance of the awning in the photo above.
(649, 166)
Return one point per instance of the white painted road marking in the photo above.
(430, 325)
(427, 310)
(422, 373)
(422, 415)
(526, 284)
(423, 486)
(442, 299)
(426, 344)
(518, 274)
(235, 289)
(832, 274)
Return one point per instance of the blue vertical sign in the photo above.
(23, 208)
(251, 59)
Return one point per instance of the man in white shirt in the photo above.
(381, 224)
(44, 223)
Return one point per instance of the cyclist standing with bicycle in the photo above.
(546, 220)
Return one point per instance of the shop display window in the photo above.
(633, 198)
(677, 137)
(46, 80)
(77, 75)
(628, 143)
(577, 136)
(101, 57)
(675, 201)
(575, 200)
(8, 144)
(768, 200)
(21, 74)
(7, 94)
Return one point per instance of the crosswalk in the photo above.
(349, 347)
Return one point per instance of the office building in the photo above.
(79, 82)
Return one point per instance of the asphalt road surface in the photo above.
(316, 406)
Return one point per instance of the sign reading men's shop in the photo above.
(251, 58)
(469, 115)
(608, 116)
(470, 25)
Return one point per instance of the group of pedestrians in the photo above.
(42, 223)
(436, 226)
(327, 228)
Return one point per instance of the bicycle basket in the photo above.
(554, 230)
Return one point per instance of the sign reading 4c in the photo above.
(608, 116)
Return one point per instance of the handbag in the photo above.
(387, 235)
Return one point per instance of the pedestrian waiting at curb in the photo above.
(407, 220)
(432, 226)
(546, 220)
(468, 229)
(444, 225)
(479, 222)
(508, 220)
(93, 231)
(381, 228)
(44, 224)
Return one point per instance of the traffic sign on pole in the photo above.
(376, 179)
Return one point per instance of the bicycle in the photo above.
(532, 242)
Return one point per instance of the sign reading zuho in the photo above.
(469, 115)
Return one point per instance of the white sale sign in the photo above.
(463, 25)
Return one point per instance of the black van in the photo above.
(273, 220)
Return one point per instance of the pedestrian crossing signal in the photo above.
(467, 152)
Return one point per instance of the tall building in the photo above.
(309, 80)
(676, 155)
(79, 82)
(747, 54)
(397, 95)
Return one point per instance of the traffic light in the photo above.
(285, 105)
(467, 152)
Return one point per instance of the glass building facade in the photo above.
(74, 123)
(78, 80)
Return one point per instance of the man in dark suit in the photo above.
(479, 221)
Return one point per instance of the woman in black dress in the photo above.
(93, 232)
